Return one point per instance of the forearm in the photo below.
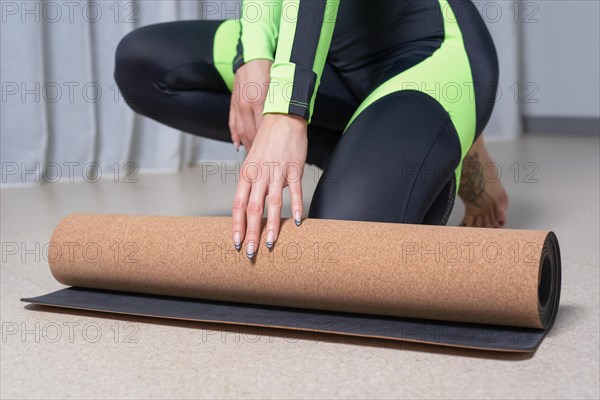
(259, 31)
(305, 32)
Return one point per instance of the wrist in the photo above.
(285, 123)
(292, 120)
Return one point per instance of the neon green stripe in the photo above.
(441, 75)
(283, 71)
(287, 29)
(260, 28)
(225, 49)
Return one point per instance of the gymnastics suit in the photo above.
(395, 92)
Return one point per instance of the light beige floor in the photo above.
(73, 355)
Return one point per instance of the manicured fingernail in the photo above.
(237, 146)
(237, 240)
(298, 218)
(270, 239)
(250, 250)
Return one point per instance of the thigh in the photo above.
(167, 72)
(483, 59)
(178, 55)
(394, 163)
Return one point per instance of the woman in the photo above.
(387, 97)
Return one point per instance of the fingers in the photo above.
(254, 215)
(248, 98)
(501, 216)
(274, 205)
(249, 125)
(295, 185)
(238, 212)
(487, 223)
(494, 219)
(235, 136)
(469, 220)
(241, 123)
(255, 211)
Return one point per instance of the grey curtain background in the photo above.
(63, 118)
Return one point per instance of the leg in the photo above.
(395, 163)
(485, 201)
(481, 190)
(166, 72)
(334, 106)
(406, 161)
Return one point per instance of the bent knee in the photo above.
(128, 55)
(136, 67)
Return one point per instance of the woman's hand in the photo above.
(276, 160)
(250, 87)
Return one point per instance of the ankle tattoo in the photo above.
(472, 182)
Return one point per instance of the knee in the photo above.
(133, 67)
(128, 56)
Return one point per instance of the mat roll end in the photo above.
(549, 281)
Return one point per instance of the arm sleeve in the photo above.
(305, 32)
(259, 28)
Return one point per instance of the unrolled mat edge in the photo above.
(455, 334)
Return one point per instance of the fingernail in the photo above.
(270, 239)
(237, 240)
(298, 218)
(237, 146)
(250, 250)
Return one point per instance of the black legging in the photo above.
(395, 162)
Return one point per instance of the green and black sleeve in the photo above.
(259, 30)
(300, 37)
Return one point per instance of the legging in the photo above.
(389, 132)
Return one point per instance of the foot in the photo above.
(480, 189)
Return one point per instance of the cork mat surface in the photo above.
(467, 287)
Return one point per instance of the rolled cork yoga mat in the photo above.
(497, 277)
